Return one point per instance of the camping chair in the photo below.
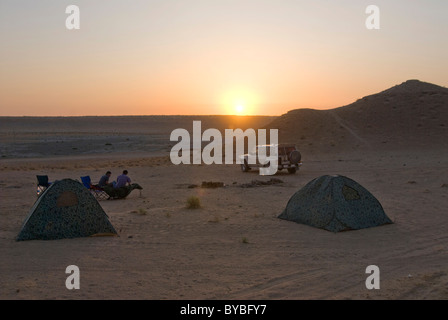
(96, 191)
(42, 184)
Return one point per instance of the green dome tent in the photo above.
(335, 203)
(66, 209)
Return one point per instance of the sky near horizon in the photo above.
(171, 57)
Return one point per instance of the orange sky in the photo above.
(210, 57)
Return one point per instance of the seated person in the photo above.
(104, 180)
(123, 180)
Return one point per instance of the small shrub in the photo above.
(193, 203)
(142, 211)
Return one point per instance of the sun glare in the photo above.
(239, 102)
(239, 108)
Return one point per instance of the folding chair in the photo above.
(42, 184)
(96, 191)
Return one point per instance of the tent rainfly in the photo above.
(335, 203)
(66, 209)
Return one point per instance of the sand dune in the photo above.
(412, 115)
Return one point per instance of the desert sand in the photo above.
(234, 247)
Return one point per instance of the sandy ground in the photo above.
(234, 247)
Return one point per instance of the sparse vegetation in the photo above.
(140, 211)
(244, 240)
(193, 202)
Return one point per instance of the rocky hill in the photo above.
(411, 115)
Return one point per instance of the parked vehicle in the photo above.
(288, 158)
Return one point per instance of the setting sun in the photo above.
(240, 102)
(239, 108)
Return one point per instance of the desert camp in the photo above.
(122, 129)
(247, 222)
